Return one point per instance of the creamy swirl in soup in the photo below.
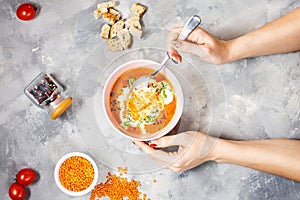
(147, 109)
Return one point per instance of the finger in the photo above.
(144, 147)
(182, 139)
(173, 53)
(175, 56)
(187, 47)
(196, 43)
(202, 51)
(164, 159)
(173, 35)
(175, 169)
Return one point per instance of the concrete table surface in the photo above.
(252, 98)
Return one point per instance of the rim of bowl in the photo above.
(62, 160)
(177, 88)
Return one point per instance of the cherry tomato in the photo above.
(16, 191)
(26, 11)
(26, 176)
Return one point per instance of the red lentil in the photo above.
(122, 170)
(117, 187)
(76, 173)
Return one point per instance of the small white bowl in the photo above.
(56, 174)
(149, 64)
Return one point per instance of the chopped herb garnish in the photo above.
(140, 122)
(164, 94)
(149, 119)
(126, 124)
(131, 80)
(163, 85)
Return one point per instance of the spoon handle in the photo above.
(191, 24)
(162, 64)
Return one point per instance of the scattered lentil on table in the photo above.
(117, 187)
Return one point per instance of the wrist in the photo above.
(232, 50)
(224, 151)
(241, 47)
(215, 148)
(228, 53)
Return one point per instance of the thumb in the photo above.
(185, 46)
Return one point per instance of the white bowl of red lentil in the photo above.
(76, 174)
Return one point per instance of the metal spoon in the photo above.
(191, 24)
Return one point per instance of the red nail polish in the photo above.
(152, 145)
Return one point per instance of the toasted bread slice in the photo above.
(134, 22)
(114, 44)
(116, 27)
(98, 12)
(109, 18)
(138, 9)
(115, 13)
(107, 4)
(125, 38)
(105, 30)
(103, 8)
(135, 32)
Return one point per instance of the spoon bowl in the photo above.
(191, 24)
(145, 80)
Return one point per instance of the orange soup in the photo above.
(145, 110)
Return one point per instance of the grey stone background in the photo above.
(252, 98)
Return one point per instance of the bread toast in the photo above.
(138, 9)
